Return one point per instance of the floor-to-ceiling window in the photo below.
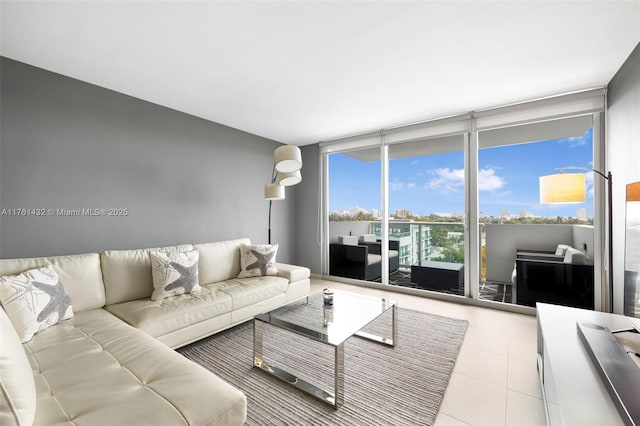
(354, 186)
(443, 188)
(519, 233)
(426, 214)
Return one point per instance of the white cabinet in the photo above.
(573, 392)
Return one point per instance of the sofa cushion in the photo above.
(81, 275)
(127, 273)
(174, 273)
(250, 291)
(373, 258)
(159, 317)
(128, 378)
(34, 300)
(292, 272)
(17, 387)
(219, 261)
(256, 261)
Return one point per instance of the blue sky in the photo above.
(508, 179)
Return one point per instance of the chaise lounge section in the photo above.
(112, 362)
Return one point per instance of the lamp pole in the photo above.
(285, 172)
(269, 239)
(610, 213)
(609, 180)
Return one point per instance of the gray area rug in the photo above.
(383, 385)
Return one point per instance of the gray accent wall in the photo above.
(308, 193)
(623, 139)
(67, 145)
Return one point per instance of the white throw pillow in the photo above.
(256, 261)
(34, 300)
(174, 273)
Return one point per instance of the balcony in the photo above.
(430, 255)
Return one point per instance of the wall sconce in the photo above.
(571, 188)
(286, 172)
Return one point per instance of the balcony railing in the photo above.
(423, 241)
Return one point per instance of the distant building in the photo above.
(525, 214)
(414, 240)
(505, 214)
(402, 213)
(582, 214)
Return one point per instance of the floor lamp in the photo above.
(286, 172)
(570, 188)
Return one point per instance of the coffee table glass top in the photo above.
(333, 325)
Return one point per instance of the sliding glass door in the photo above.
(520, 236)
(448, 205)
(354, 187)
(425, 193)
(426, 214)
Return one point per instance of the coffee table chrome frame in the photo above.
(335, 399)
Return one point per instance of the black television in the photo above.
(616, 356)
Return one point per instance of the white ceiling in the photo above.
(300, 72)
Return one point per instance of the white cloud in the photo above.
(589, 183)
(575, 141)
(453, 180)
(489, 181)
(396, 185)
(447, 180)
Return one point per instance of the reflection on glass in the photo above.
(632, 252)
(333, 325)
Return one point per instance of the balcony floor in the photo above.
(489, 291)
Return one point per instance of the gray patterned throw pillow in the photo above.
(34, 300)
(256, 261)
(174, 273)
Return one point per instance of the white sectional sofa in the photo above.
(113, 363)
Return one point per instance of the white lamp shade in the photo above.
(290, 179)
(563, 188)
(288, 158)
(273, 191)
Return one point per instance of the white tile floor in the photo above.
(495, 380)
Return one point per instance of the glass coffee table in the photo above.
(332, 326)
